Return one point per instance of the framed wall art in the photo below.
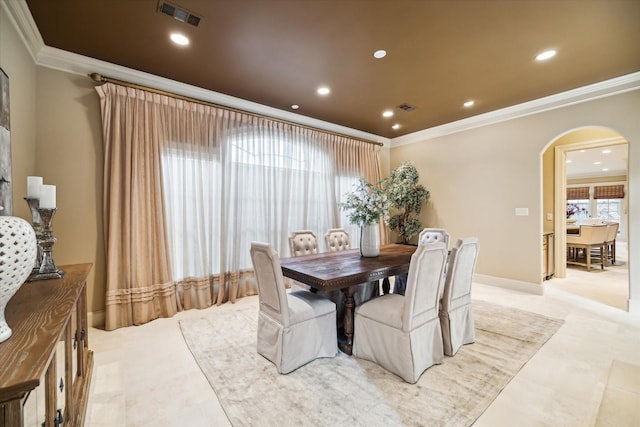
(6, 191)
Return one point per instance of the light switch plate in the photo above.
(522, 211)
(549, 216)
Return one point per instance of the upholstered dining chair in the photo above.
(402, 333)
(303, 242)
(294, 328)
(431, 235)
(610, 242)
(337, 239)
(456, 314)
(590, 237)
(426, 236)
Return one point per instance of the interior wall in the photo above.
(479, 177)
(70, 156)
(17, 63)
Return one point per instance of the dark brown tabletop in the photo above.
(341, 270)
(337, 270)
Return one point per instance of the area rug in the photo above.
(345, 391)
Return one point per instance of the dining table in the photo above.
(345, 269)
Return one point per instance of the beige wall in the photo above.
(478, 177)
(69, 155)
(19, 66)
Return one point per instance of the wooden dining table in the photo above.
(345, 269)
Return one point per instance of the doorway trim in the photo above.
(560, 195)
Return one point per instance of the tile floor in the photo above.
(146, 376)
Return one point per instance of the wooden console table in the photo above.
(46, 363)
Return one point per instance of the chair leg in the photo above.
(588, 260)
(602, 257)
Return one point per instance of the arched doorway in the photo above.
(586, 138)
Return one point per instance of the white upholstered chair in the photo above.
(293, 328)
(590, 237)
(456, 314)
(303, 242)
(431, 235)
(402, 333)
(337, 239)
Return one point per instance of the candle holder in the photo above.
(36, 223)
(47, 268)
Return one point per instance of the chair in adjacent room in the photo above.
(296, 327)
(456, 314)
(402, 333)
(590, 237)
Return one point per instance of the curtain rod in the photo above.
(99, 78)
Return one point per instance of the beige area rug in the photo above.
(345, 391)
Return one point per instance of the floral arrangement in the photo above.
(574, 209)
(367, 204)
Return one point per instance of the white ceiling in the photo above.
(582, 163)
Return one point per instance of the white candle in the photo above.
(33, 186)
(48, 197)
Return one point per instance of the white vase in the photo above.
(18, 250)
(370, 240)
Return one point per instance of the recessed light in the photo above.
(596, 163)
(379, 54)
(605, 169)
(547, 54)
(606, 151)
(568, 161)
(324, 90)
(396, 126)
(295, 106)
(180, 39)
(387, 113)
(469, 103)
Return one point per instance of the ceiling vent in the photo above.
(406, 107)
(178, 13)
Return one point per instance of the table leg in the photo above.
(349, 305)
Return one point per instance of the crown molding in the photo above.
(20, 16)
(602, 89)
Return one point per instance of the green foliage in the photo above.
(407, 198)
(367, 204)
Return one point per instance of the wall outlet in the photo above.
(549, 216)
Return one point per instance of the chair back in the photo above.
(303, 242)
(271, 290)
(592, 221)
(423, 285)
(337, 239)
(462, 265)
(432, 235)
(612, 231)
(589, 235)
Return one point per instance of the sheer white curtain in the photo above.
(260, 181)
(189, 186)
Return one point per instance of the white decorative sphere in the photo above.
(18, 251)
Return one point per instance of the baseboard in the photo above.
(633, 305)
(516, 285)
(96, 319)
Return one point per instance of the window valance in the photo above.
(577, 193)
(609, 192)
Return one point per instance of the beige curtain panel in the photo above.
(577, 193)
(188, 187)
(609, 192)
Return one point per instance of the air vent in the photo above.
(178, 13)
(406, 107)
